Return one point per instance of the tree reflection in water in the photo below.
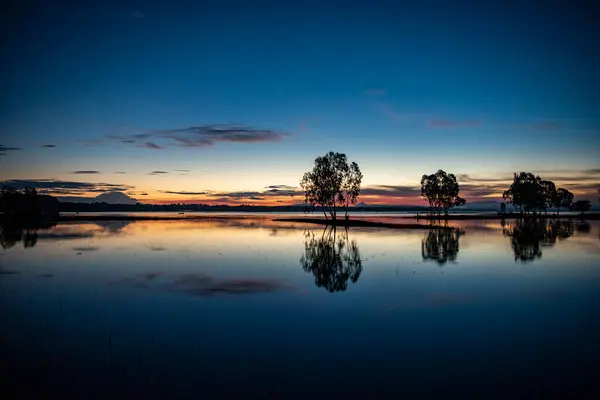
(530, 235)
(10, 236)
(441, 245)
(332, 259)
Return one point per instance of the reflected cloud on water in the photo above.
(332, 259)
(205, 285)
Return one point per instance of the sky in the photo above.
(230, 102)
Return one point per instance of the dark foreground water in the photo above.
(252, 308)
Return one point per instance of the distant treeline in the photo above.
(27, 204)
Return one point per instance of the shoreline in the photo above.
(361, 223)
(594, 216)
(320, 221)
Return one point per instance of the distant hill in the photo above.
(108, 197)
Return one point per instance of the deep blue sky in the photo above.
(403, 88)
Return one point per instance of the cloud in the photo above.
(85, 172)
(375, 92)
(48, 146)
(237, 195)
(391, 190)
(58, 187)
(183, 192)
(443, 123)
(137, 193)
(199, 136)
(469, 178)
(256, 198)
(286, 187)
(182, 170)
(547, 126)
(119, 172)
(147, 145)
(4, 150)
(158, 173)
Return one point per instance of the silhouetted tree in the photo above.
(549, 194)
(503, 208)
(526, 192)
(441, 245)
(563, 198)
(581, 206)
(332, 184)
(441, 192)
(26, 204)
(332, 259)
(529, 236)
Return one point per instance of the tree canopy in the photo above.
(531, 194)
(332, 184)
(441, 191)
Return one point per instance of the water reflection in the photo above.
(441, 246)
(200, 284)
(332, 258)
(529, 236)
(10, 235)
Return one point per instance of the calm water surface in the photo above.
(231, 307)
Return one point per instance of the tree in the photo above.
(526, 192)
(332, 184)
(563, 198)
(581, 205)
(441, 192)
(548, 194)
(503, 208)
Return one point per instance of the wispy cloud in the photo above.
(85, 172)
(136, 193)
(49, 146)
(58, 187)
(147, 145)
(119, 172)
(182, 170)
(391, 190)
(285, 187)
(468, 178)
(256, 198)
(198, 136)
(443, 123)
(157, 173)
(4, 150)
(184, 193)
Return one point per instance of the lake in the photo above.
(247, 307)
